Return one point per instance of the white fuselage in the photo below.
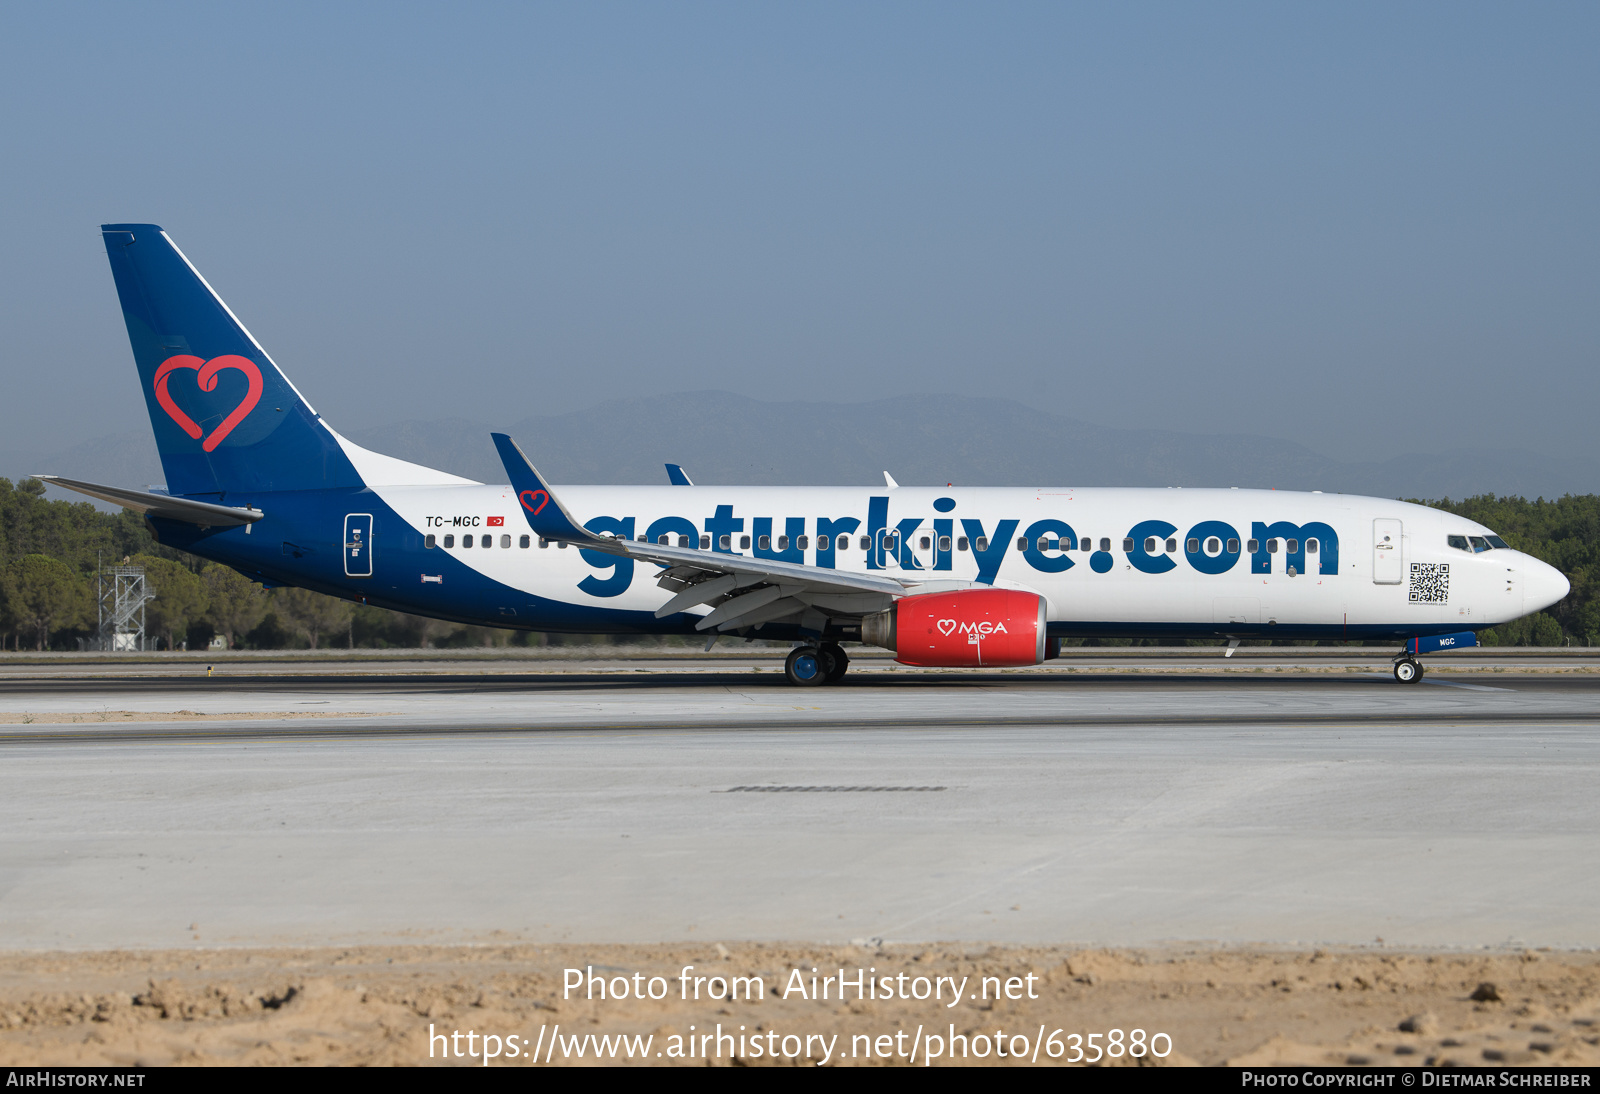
(1328, 564)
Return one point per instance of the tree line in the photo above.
(50, 551)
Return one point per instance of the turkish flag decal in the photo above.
(497, 522)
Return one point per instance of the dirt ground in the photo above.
(376, 1005)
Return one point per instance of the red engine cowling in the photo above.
(965, 629)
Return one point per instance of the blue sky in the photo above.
(1368, 227)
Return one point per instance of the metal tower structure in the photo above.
(123, 593)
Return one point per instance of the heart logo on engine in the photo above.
(946, 626)
(206, 380)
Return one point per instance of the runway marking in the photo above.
(828, 789)
(335, 733)
(1441, 683)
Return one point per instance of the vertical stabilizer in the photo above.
(225, 418)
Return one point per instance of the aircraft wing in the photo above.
(742, 591)
(203, 513)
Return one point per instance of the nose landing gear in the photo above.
(1407, 671)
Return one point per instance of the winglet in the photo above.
(888, 480)
(546, 515)
(676, 476)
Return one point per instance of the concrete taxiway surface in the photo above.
(1091, 806)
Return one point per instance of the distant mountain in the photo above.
(920, 439)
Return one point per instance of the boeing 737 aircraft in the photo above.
(954, 577)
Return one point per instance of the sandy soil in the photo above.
(375, 1005)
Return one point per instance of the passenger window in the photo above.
(1272, 546)
(1254, 545)
(487, 541)
(982, 545)
(466, 541)
(1022, 543)
(725, 542)
(783, 543)
(1149, 545)
(505, 541)
(1043, 543)
(705, 543)
(822, 542)
(803, 542)
(944, 543)
(1127, 544)
(1105, 544)
(961, 544)
(1233, 546)
(765, 543)
(866, 543)
(449, 541)
(1293, 545)
(543, 543)
(744, 543)
(428, 541)
(1172, 546)
(562, 546)
(524, 541)
(1193, 546)
(1087, 543)
(1311, 546)
(1213, 546)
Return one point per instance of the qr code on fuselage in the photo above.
(1430, 582)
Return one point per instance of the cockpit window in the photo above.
(1459, 543)
(1479, 543)
(1496, 541)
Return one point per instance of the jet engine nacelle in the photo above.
(965, 629)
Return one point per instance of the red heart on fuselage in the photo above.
(207, 381)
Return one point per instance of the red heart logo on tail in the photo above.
(207, 381)
(530, 497)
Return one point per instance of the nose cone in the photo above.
(1543, 586)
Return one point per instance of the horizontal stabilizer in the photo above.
(203, 513)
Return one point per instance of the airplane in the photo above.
(948, 577)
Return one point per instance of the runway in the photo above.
(1096, 807)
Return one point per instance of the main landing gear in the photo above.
(1407, 670)
(811, 665)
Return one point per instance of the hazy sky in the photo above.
(1371, 228)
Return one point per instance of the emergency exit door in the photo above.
(358, 545)
(1388, 562)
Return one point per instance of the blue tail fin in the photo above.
(226, 420)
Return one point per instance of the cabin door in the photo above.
(1388, 565)
(358, 545)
